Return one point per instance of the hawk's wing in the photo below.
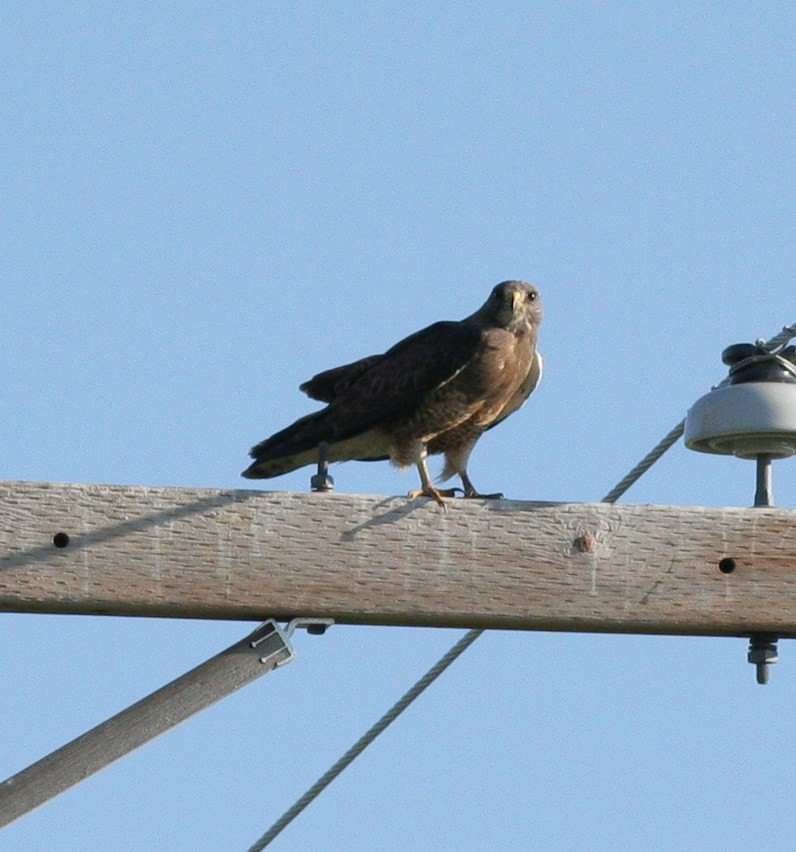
(392, 385)
(329, 384)
(379, 389)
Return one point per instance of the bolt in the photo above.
(762, 654)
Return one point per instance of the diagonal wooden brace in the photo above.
(255, 655)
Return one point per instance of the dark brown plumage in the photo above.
(436, 391)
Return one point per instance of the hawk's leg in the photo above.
(469, 490)
(428, 490)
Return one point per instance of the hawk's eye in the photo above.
(532, 296)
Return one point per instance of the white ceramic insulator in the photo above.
(745, 420)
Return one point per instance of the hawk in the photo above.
(436, 391)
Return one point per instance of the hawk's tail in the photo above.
(292, 448)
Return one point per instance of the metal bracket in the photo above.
(313, 626)
(275, 640)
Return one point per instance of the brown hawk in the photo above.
(436, 391)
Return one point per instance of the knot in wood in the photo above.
(585, 542)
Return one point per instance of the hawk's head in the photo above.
(513, 305)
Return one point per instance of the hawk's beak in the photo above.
(516, 299)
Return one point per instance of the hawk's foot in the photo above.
(471, 493)
(435, 493)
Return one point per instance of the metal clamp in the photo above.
(275, 640)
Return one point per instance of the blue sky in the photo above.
(204, 204)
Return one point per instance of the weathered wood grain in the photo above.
(202, 553)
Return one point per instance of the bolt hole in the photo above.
(61, 539)
(727, 565)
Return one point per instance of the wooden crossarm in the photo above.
(363, 559)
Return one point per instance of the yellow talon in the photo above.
(435, 494)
